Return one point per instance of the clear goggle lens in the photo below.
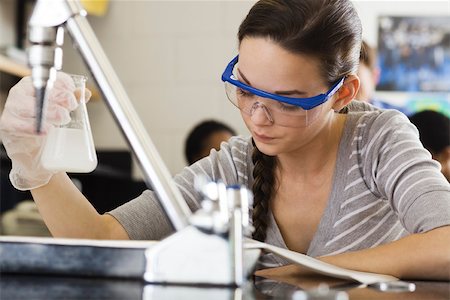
(277, 112)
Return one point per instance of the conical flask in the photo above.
(70, 147)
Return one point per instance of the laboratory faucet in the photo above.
(46, 36)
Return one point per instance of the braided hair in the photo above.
(263, 190)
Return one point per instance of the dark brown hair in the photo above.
(329, 30)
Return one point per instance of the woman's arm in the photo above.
(67, 213)
(399, 169)
(417, 256)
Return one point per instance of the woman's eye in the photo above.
(244, 93)
(288, 107)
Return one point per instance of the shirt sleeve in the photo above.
(399, 169)
(143, 218)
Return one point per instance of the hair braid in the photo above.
(263, 187)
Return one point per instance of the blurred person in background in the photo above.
(434, 131)
(368, 73)
(205, 136)
(369, 76)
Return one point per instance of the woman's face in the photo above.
(266, 66)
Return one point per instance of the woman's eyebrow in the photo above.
(243, 77)
(289, 92)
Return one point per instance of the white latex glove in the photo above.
(18, 128)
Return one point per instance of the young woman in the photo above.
(331, 178)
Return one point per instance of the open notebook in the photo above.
(126, 259)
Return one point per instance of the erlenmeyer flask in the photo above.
(70, 147)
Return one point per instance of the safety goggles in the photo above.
(281, 110)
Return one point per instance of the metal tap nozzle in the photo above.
(44, 58)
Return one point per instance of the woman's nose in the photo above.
(260, 115)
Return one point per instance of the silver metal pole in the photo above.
(236, 233)
(152, 165)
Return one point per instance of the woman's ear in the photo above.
(346, 93)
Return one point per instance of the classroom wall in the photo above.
(170, 55)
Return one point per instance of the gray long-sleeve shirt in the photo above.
(385, 186)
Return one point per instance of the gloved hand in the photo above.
(18, 133)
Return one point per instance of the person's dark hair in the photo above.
(197, 139)
(368, 55)
(434, 130)
(329, 30)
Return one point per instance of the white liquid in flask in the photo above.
(69, 150)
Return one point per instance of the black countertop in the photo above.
(14, 286)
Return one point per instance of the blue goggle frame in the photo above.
(305, 103)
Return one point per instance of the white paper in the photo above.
(319, 266)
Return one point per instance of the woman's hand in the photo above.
(17, 127)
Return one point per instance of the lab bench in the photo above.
(14, 286)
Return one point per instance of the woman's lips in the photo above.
(262, 138)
